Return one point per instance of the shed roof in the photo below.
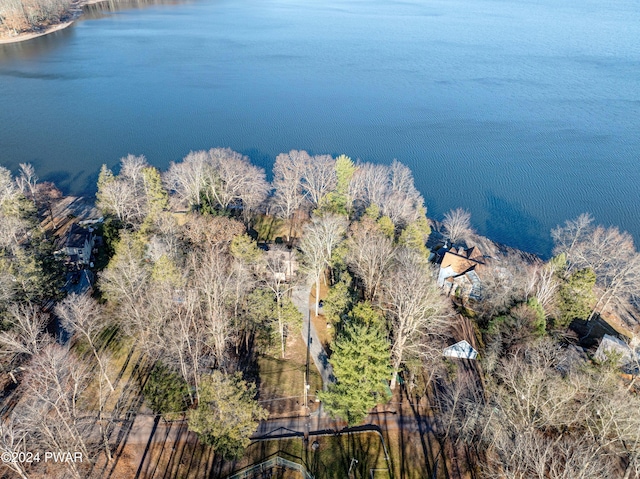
(611, 344)
(462, 349)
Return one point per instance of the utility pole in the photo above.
(306, 399)
(306, 374)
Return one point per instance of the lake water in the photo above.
(525, 112)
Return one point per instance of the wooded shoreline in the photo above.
(205, 274)
(75, 14)
(23, 37)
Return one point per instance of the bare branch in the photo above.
(27, 334)
(457, 225)
(415, 306)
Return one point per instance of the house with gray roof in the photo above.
(78, 244)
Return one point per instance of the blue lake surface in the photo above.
(524, 112)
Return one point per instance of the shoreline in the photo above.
(23, 37)
(75, 14)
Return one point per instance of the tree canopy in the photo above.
(361, 363)
(227, 413)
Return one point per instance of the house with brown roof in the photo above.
(460, 271)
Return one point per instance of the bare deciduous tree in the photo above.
(187, 179)
(202, 231)
(126, 285)
(114, 196)
(225, 178)
(415, 306)
(370, 254)
(529, 454)
(185, 340)
(8, 189)
(214, 279)
(244, 281)
(134, 193)
(167, 233)
(401, 179)
(504, 283)
(12, 443)
(546, 286)
(319, 239)
(460, 404)
(233, 180)
(457, 225)
(13, 226)
(547, 416)
(7, 289)
(610, 253)
(289, 195)
(127, 275)
(403, 203)
(50, 410)
(370, 184)
(26, 15)
(27, 180)
(12, 231)
(82, 314)
(319, 178)
(538, 398)
(390, 188)
(573, 232)
(277, 279)
(27, 335)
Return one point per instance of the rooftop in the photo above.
(462, 349)
(462, 260)
(77, 236)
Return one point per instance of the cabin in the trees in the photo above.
(460, 271)
(79, 244)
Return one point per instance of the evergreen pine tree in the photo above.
(361, 364)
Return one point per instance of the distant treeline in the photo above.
(18, 16)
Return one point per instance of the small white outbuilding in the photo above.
(461, 350)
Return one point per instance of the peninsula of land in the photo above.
(24, 20)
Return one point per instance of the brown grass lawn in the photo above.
(410, 450)
(125, 361)
(331, 459)
(281, 387)
(269, 228)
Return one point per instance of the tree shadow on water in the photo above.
(260, 158)
(509, 223)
